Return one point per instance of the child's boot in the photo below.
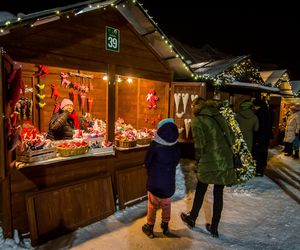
(148, 230)
(165, 227)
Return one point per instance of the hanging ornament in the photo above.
(89, 104)
(55, 93)
(152, 98)
(64, 79)
(41, 97)
(73, 96)
(40, 86)
(56, 107)
(16, 86)
(42, 70)
(159, 117)
(82, 99)
(41, 105)
(153, 122)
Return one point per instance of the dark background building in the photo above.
(267, 31)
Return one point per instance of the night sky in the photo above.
(266, 32)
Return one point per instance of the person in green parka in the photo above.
(213, 139)
(248, 122)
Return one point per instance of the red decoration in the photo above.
(89, 104)
(73, 97)
(43, 70)
(82, 99)
(153, 122)
(16, 86)
(14, 117)
(159, 117)
(152, 98)
(57, 107)
(76, 86)
(55, 92)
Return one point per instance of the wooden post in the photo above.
(2, 120)
(111, 107)
(4, 176)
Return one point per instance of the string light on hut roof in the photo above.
(33, 20)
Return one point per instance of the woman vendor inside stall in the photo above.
(63, 122)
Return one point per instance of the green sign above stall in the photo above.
(112, 39)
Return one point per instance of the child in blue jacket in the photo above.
(162, 157)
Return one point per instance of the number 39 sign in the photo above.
(112, 39)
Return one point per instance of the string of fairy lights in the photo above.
(243, 71)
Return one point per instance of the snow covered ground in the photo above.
(264, 214)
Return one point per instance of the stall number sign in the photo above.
(112, 37)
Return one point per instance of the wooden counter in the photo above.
(55, 198)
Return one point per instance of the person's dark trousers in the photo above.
(289, 149)
(260, 154)
(218, 202)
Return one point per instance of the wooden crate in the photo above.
(36, 155)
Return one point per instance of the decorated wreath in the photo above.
(247, 169)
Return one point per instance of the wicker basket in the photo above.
(64, 152)
(125, 144)
(144, 141)
(36, 155)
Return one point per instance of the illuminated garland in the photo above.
(245, 72)
(239, 147)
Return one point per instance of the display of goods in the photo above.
(36, 155)
(143, 141)
(31, 139)
(72, 148)
(125, 144)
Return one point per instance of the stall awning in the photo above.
(254, 86)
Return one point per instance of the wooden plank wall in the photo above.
(132, 103)
(190, 88)
(69, 207)
(79, 42)
(38, 178)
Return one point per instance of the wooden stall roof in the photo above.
(274, 77)
(216, 67)
(133, 12)
(295, 86)
(254, 86)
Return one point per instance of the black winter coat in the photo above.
(161, 161)
(60, 126)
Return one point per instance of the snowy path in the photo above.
(258, 215)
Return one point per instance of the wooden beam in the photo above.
(4, 177)
(111, 107)
(2, 118)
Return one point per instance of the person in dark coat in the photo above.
(63, 122)
(263, 135)
(248, 122)
(162, 157)
(213, 139)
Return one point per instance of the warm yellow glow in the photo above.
(105, 78)
(129, 80)
(119, 79)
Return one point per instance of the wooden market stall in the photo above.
(234, 79)
(105, 59)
